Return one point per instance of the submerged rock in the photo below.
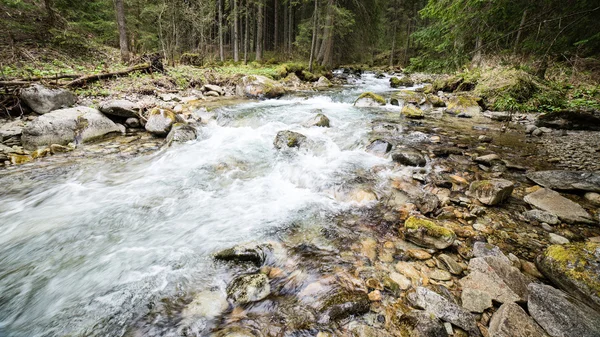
(259, 87)
(575, 268)
(567, 180)
(43, 100)
(78, 125)
(493, 191)
(418, 323)
(206, 304)
(427, 234)
(120, 108)
(244, 253)
(369, 99)
(409, 157)
(379, 147)
(445, 310)
(560, 314)
(343, 303)
(181, 132)
(288, 139)
(249, 288)
(160, 121)
(512, 321)
(565, 209)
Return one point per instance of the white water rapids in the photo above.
(84, 250)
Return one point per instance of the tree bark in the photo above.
(259, 31)
(50, 18)
(123, 42)
(246, 32)
(327, 33)
(221, 52)
(276, 25)
(518, 38)
(290, 26)
(314, 37)
(393, 44)
(236, 32)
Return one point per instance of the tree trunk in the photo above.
(246, 32)
(49, 12)
(477, 56)
(523, 18)
(314, 37)
(407, 46)
(221, 52)
(259, 30)
(236, 32)
(276, 26)
(122, 30)
(290, 26)
(393, 44)
(327, 33)
(285, 27)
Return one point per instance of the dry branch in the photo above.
(92, 78)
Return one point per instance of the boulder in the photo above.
(483, 249)
(403, 81)
(565, 209)
(259, 87)
(574, 268)
(160, 121)
(542, 217)
(435, 101)
(418, 323)
(248, 288)
(512, 321)
(491, 192)
(12, 129)
(319, 120)
(342, 303)
(503, 82)
(592, 197)
(369, 100)
(409, 157)
(560, 314)
(410, 97)
(120, 108)
(567, 180)
(132, 123)
(78, 125)
(43, 100)
(440, 307)
(181, 132)
(475, 300)
(427, 234)
(379, 147)
(463, 104)
(570, 120)
(288, 139)
(213, 88)
(493, 275)
(412, 112)
(244, 253)
(323, 82)
(206, 304)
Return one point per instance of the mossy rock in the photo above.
(409, 96)
(249, 288)
(500, 84)
(463, 104)
(492, 192)
(448, 84)
(288, 139)
(575, 268)
(412, 112)
(259, 87)
(426, 233)
(404, 81)
(435, 101)
(344, 303)
(368, 99)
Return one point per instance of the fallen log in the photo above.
(14, 83)
(83, 80)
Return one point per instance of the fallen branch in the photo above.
(92, 78)
(14, 83)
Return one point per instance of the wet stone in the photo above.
(419, 323)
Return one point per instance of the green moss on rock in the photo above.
(375, 97)
(412, 112)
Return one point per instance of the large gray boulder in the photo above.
(575, 268)
(560, 314)
(512, 321)
(43, 100)
(181, 132)
(288, 139)
(249, 288)
(160, 121)
(491, 192)
(120, 108)
(78, 125)
(567, 180)
(440, 307)
(565, 209)
(259, 87)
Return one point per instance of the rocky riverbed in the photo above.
(399, 212)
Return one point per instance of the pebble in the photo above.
(375, 296)
(419, 254)
(440, 275)
(557, 239)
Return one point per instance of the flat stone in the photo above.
(440, 275)
(475, 300)
(379, 147)
(565, 209)
(488, 160)
(444, 309)
(483, 249)
(501, 280)
(402, 281)
(451, 264)
(120, 108)
(409, 157)
(419, 254)
(560, 314)
(512, 321)
(542, 217)
(567, 180)
(557, 239)
(249, 288)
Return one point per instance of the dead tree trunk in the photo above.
(123, 42)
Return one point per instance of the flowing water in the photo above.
(85, 250)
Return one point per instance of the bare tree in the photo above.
(259, 30)
(236, 32)
(123, 42)
(314, 37)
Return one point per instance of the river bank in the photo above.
(330, 228)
